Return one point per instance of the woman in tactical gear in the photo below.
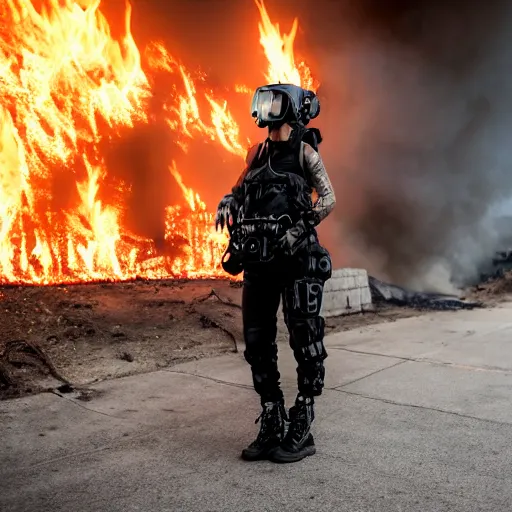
(271, 220)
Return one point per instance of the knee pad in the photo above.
(304, 298)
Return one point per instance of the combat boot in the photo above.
(298, 442)
(272, 429)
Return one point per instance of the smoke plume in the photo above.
(417, 117)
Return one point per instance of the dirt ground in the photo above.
(65, 337)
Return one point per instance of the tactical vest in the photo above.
(275, 193)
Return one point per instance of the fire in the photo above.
(67, 87)
(279, 52)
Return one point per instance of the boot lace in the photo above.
(271, 426)
(301, 417)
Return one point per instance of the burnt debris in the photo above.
(396, 295)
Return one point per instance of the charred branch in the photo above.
(213, 293)
(23, 352)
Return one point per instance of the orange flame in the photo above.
(66, 86)
(279, 52)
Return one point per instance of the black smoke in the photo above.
(417, 119)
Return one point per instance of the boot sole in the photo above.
(266, 455)
(282, 457)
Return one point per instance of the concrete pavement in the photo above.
(416, 416)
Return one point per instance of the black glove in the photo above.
(226, 212)
(294, 237)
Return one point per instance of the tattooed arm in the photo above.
(323, 206)
(326, 201)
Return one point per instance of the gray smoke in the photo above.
(417, 119)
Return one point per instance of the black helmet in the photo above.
(281, 103)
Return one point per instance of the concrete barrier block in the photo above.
(347, 292)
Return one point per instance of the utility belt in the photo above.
(260, 247)
(254, 243)
(259, 237)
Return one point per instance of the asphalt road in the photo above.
(417, 416)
